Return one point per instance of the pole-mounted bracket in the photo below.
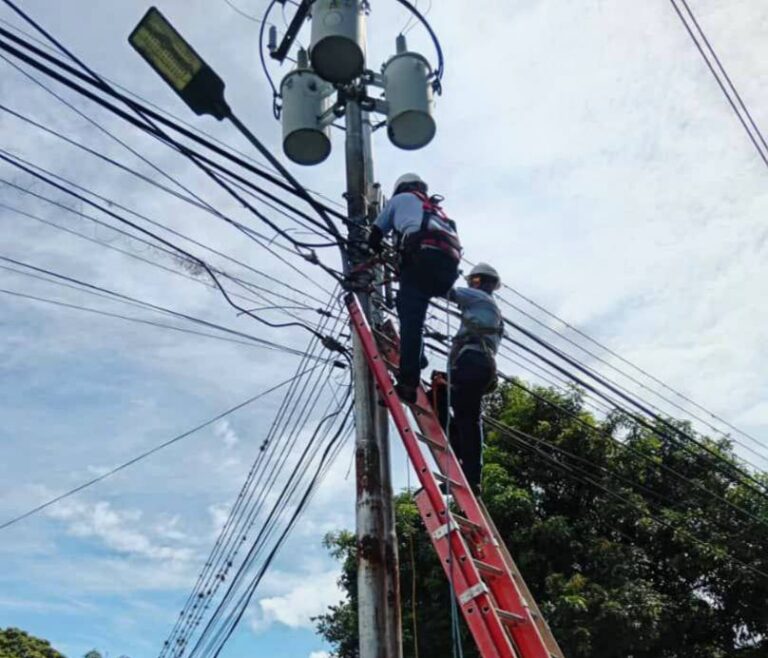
(281, 52)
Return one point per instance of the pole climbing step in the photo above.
(496, 604)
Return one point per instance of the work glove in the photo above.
(376, 240)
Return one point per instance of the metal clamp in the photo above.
(444, 530)
(472, 593)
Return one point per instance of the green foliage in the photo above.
(626, 559)
(18, 644)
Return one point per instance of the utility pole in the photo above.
(374, 613)
(336, 66)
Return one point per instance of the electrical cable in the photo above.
(160, 134)
(143, 456)
(135, 226)
(263, 294)
(746, 123)
(251, 189)
(154, 307)
(294, 187)
(634, 380)
(171, 252)
(223, 549)
(516, 436)
(167, 113)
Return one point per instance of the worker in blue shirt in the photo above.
(430, 252)
(472, 365)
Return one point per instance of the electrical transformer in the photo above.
(306, 100)
(338, 39)
(409, 94)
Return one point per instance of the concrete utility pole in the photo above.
(331, 81)
(377, 575)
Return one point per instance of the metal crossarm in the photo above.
(496, 604)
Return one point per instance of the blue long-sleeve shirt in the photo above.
(482, 325)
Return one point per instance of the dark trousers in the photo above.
(428, 273)
(471, 377)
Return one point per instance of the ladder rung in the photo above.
(432, 443)
(415, 406)
(455, 484)
(488, 569)
(385, 336)
(466, 524)
(510, 618)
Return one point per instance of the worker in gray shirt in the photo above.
(472, 364)
(429, 255)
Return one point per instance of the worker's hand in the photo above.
(376, 240)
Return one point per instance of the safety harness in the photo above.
(436, 231)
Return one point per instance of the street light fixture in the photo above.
(166, 51)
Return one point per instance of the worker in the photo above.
(429, 254)
(472, 365)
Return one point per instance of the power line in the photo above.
(577, 473)
(737, 105)
(294, 187)
(171, 252)
(144, 455)
(248, 503)
(135, 226)
(171, 115)
(132, 300)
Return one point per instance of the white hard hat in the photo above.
(408, 178)
(483, 269)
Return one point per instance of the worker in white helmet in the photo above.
(430, 253)
(472, 364)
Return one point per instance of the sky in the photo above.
(583, 148)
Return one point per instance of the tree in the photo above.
(636, 542)
(15, 643)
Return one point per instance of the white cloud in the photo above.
(116, 529)
(303, 596)
(319, 654)
(224, 431)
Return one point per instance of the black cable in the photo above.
(440, 70)
(161, 309)
(278, 429)
(263, 294)
(617, 407)
(717, 459)
(324, 211)
(225, 550)
(142, 456)
(635, 452)
(171, 252)
(246, 597)
(570, 469)
(105, 87)
(619, 357)
(172, 116)
(159, 325)
(135, 226)
(722, 85)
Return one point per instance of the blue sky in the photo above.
(584, 150)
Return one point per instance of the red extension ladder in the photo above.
(497, 606)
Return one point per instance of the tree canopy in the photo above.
(635, 541)
(15, 643)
